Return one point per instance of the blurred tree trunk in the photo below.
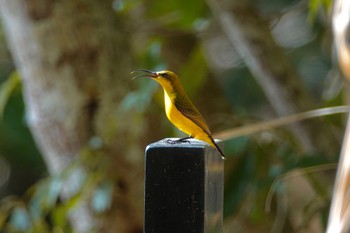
(74, 61)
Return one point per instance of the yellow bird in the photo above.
(179, 108)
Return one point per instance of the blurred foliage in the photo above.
(183, 36)
(317, 7)
(46, 206)
(181, 14)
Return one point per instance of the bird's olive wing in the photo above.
(186, 107)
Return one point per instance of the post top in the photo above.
(191, 142)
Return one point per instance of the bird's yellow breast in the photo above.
(182, 122)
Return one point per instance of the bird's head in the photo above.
(165, 78)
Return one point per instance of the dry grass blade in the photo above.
(266, 125)
(293, 173)
(338, 220)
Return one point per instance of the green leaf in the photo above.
(316, 5)
(53, 192)
(3, 217)
(60, 213)
(6, 90)
(195, 72)
(20, 219)
(139, 100)
(178, 13)
(237, 145)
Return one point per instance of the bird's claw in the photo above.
(177, 141)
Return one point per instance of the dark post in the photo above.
(183, 188)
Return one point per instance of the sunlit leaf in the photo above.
(20, 219)
(7, 89)
(77, 178)
(102, 197)
(316, 5)
(53, 192)
(44, 199)
(61, 212)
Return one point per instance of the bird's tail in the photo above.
(217, 147)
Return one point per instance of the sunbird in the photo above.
(180, 109)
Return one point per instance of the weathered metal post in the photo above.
(183, 188)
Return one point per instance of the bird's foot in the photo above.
(181, 140)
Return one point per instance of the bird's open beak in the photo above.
(147, 73)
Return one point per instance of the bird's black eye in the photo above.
(165, 75)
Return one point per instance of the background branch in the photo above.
(250, 34)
